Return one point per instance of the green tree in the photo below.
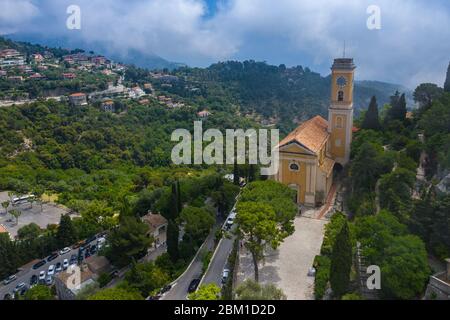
(29, 232)
(116, 294)
(426, 93)
(371, 119)
(16, 214)
(127, 242)
(38, 193)
(398, 107)
(66, 234)
(404, 270)
(259, 228)
(206, 292)
(172, 240)
(146, 277)
(395, 192)
(252, 290)
(5, 205)
(9, 256)
(197, 222)
(365, 168)
(39, 292)
(341, 262)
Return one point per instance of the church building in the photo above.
(309, 154)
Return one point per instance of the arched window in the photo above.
(339, 122)
(294, 167)
(341, 96)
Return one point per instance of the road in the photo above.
(179, 289)
(219, 260)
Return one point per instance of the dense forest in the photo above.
(277, 94)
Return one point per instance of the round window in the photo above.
(294, 167)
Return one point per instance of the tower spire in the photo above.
(344, 50)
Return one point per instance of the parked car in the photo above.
(87, 254)
(93, 249)
(52, 257)
(51, 270)
(65, 264)
(101, 240)
(73, 259)
(64, 251)
(9, 279)
(42, 276)
(58, 267)
(78, 245)
(19, 287)
(193, 285)
(225, 274)
(49, 280)
(33, 280)
(39, 264)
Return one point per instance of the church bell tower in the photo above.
(340, 112)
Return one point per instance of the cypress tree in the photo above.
(401, 108)
(173, 205)
(179, 203)
(66, 234)
(398, 107)
(341, 262)
(172, 240)
(447, 80)
(371, 119)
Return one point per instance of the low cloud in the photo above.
(411, 47)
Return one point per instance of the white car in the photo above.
(64, 251)
(225, 274)
(65, 264)
(42, 276)
(51, 270)
(19, 287)
(49, 280)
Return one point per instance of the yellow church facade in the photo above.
(308, 154)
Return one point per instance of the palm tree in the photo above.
(5, 205)
(16, 214)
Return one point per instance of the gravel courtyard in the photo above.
(50, 214)
(288, 266)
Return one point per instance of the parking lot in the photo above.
(50, 214)
(24, 275)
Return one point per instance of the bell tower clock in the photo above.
(340, 112)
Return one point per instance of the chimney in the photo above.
(448, 268)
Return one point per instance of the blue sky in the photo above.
(412, 46)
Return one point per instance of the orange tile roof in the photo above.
(79, 94)
(312, 134)
(3, 229)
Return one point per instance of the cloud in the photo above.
(13, 13)
(411, 47)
